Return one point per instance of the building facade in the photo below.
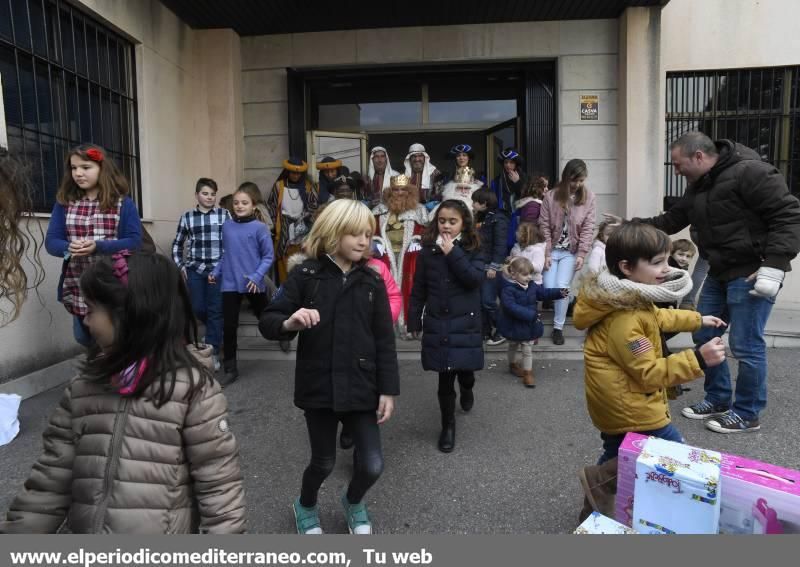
(214, 103)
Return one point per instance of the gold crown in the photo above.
(399, 181)
(465, 175)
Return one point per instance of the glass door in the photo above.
(350, 148)
(499, 137)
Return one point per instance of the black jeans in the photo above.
(447, 381)
(231, 305)
(367, 455)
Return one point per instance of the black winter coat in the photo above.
(349, 358)
(518, 317)
(741, 214)
(494, 237)
(448, 288)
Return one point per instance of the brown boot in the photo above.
(516, 370)
(528, 380)
(599, 484)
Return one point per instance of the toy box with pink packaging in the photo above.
(677, 489)
(756, 497)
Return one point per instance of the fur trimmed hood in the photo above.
(603, 293)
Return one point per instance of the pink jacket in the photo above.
(581, 223)
(395, 297)
(534, 253)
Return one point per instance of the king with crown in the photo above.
(401, 220)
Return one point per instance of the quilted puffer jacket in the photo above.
(118, 464)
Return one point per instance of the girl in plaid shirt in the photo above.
(92, 215)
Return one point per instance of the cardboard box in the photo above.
(677, 489)
(756, 497)
(599, 524)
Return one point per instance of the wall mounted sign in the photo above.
(589, 107)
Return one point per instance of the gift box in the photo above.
(756, 497)
(759, 498)
(599, 524)
(677, 489)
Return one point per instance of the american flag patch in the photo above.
(640, 346)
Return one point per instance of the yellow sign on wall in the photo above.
(590, 105)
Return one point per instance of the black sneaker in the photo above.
(732, 422)
(496, 339)
(558, 337)
(703, 410)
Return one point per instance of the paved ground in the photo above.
(513, 470)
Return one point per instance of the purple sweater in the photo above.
(247, 255)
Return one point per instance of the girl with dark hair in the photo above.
(567, 223)
(93, 215)
(140, 442)
(16, 241)
(447, 287)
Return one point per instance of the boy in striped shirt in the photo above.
(196, 250)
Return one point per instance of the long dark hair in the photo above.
(17, 242)
(469, 235)
(152, 319)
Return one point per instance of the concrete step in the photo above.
(257, 348)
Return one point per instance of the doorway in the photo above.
(489, 107)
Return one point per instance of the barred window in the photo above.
(759, 108)
(67, 79)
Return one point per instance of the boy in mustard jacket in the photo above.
(626, 373)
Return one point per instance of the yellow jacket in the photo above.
(625, 372)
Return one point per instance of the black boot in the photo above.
(467, 398)
(231, 373)
(346, 438)
(447, 439)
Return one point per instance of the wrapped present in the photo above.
(599, 524)
(757, 497)
(629, 451)
(677, 489)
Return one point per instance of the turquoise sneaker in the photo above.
(306, 519)
(357, 517)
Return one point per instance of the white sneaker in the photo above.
(215, 359)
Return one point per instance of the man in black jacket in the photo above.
(747, 225)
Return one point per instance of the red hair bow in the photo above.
(119, 266)
(95, 155)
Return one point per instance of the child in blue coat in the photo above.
(447, 289)
(519, 320)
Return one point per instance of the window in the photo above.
(67, 80)
(759, 108)
(416, 101)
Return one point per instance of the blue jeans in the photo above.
(81, 332)
(207, 305)
(746, 316)
(611, 442)
(560, 274)
(489, 303)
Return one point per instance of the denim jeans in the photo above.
(489, 303)
(611, 443)
(560, 274)
(746, 316)
(699, 274)
(207, 305)
(81, 332)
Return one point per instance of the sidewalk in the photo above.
(513, 470)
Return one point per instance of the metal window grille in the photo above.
(67, 79)
(759, 108)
